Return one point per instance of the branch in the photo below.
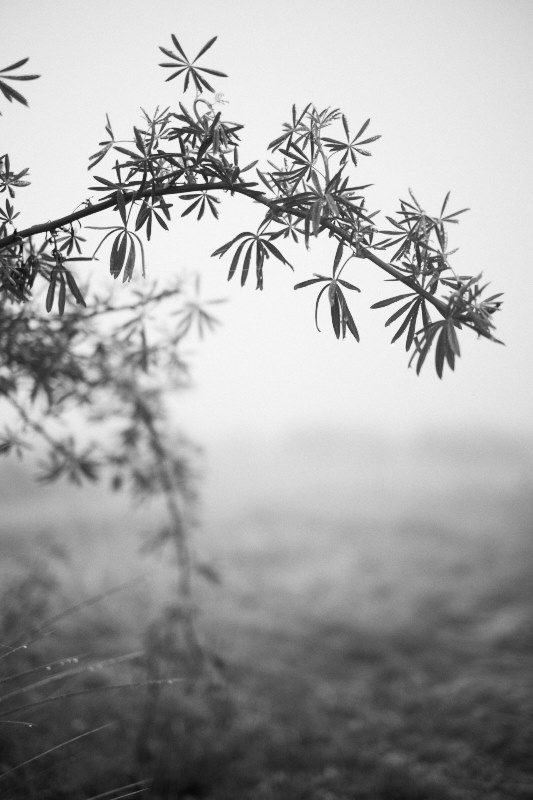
(245, 189)
(178, 525)
(103, 205)
(142, 302)
(384, 265)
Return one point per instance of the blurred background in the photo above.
(372, 529)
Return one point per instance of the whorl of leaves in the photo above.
(6, 89)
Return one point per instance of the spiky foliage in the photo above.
(192, 152)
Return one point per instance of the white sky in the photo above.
(447, 84)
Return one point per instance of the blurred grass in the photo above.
(375, 622)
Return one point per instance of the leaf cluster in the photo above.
(6, 89)
(181, 65)
(261, 244)
(78, 362)
(341, 316)
(307, 189)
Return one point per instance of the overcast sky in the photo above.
(447, 84)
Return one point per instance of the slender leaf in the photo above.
(397, 313)
(348, 285)
(74, 289)
(335, 310)
(62, 295)
(412, 325)
(12, 94)
(453, 341)
(178, 46)
(345, 126)
(347, 319)
(389, 300)
(259, 261)
(310, 282)
(216, 72)
(403, 326)
(205, 48)
(235, 260)
(321, 292)
(276, 253)
(316, 212)
(130, 263)
(16, 65)
(440, 352)
(246, 264)
(122, 206)
(191, 208)
(118, 254)
(51, 291)
(361, 130)
(424, 350)
(225, 247)
(338, 256)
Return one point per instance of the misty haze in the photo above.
(272, 544)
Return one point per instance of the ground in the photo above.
(372, 633)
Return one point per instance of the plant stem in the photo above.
(178, 528)
(246, 190)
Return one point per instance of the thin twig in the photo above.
(57, 747)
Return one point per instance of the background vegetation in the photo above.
(364, 650)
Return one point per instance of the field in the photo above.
(372, 631)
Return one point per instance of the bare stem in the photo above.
(178, 526)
